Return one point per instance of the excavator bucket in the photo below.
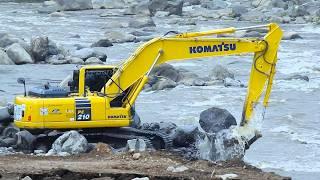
(262, 73)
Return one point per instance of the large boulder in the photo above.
(173, 7)
(164, 83)
(238, 10)
(74, 5)
(119, 37)
(102, 43)
(220, 73)
(4, 59)
(9, 39)
(93, 60)
(139, 9)
(287, 35)
(86, 53)
(185, 136)
(42, 47)
(167, 71)
(18, 54)
(70, 142)
(215, 119)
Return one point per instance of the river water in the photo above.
(291, 135)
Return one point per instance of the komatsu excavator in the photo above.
(101, 98)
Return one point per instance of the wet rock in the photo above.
(119, 37)
(191, 79)
(74, 5)
(238, 10)
(24, 141)
(9, 39)
(167, 71)
(93, 60)
(40, 48)
(228, 82)
(164, 83)
(74, 60)
(10, 131)
(220, 73)
(136, 156)
(214, 5)
(185, 136)
(177, 169)
(138, 9)
(102, 43)
(291, 35)
(84, 53)
(215, 119)
(18, 54)
(5, 60)
(297, 10)
(70, 142)
(136, 145)
(173, 7)
(141, 22)
(7, 142)
(298, 77)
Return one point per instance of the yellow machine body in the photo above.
(87, 108)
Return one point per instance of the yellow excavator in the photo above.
(101, 97)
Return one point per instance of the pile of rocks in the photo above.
(165, 76)
(41, 49)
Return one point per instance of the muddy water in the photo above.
(291, 136)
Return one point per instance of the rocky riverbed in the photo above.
(39, 35)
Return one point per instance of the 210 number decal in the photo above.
(83, 114)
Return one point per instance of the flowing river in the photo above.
(291, 135)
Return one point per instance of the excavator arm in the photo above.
(133, 73)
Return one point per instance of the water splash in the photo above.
(230, 143)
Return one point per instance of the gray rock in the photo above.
(185, 136)
(220, 73)
(215, 119)
(297, 10)
(228, 82)
(138, 9)
(83, 53)
(18, 54)
(192, 2)
(291, 35)
(93, 60)
(141, 22)
(238, 10)
(70, 142)
(74, 5)
(136, 145)
(164, 83)
(4, 114)
(173, 7)
(102, 43)
(9, 39)
(4, 59)
(119, 37)
(75, 60)
(40, 48)
(214, 4)
(167, 71)
(49, 7)
(24, 141)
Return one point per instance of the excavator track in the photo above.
(116, 137)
